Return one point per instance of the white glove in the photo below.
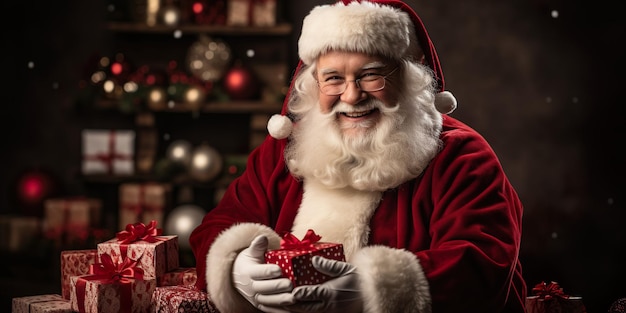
(341, 294)
(261, 283)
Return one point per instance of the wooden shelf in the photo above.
(220, 181)
(240, 107)
(278, 30)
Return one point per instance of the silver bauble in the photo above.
(182, 221)
(206, 163)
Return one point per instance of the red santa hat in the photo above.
(379, 27)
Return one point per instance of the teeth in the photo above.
(357, 114)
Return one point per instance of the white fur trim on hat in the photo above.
(361, 27)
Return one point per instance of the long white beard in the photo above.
(346, 174)
(379, 157)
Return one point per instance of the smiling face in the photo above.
(367, 140)
(355, 110)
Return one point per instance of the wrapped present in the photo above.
(75, 263)
(71, 219)
(550, 298)
(251, 13)
(294, 257)
(50, 303)
(18, 232)
(174, 299)
(143, 202)
(112, 287)
(264, 13)
(108, 152)
(186, 276)
(154, 254)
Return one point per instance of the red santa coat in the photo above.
(446, 241)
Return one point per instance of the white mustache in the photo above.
(369, 105)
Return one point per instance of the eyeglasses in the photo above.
(369, 83)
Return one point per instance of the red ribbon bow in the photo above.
(289, 241)
(138, 232)
(549, 291)
(116, 271)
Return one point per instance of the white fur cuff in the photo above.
(220, 260)
(392, 280)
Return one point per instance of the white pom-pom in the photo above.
(445, 102)
(279, 126)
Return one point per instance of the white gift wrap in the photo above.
(108, 151)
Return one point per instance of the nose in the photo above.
(353, 93)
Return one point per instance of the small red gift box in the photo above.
(181, 276)
(41, 304)
(155, 254)
(550, 298)
(75, 263)
(112, 287)
(294, 257)
(174, 299)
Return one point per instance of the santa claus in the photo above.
(365, 155)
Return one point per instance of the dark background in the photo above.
(544, 90)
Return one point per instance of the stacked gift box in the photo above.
(137, 271)
(18, 232)
(108, 152)
(251, 13)
(143, 202)
(70, 221)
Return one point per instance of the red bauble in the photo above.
(32, 188)
(241, 84)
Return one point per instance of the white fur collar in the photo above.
(337, 215)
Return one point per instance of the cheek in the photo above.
(327, 102)
(388, 97)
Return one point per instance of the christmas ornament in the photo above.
(112, 90)
(157, 99)
(33, 187)
(120, 67)
(208, 59)
(206, 163)
(194, 97)
(170, 15)
(181, 221)
(240, 83)
(179, 151)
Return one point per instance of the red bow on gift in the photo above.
(289, 241)
(116, 271)
(549, 291)
(139, 231)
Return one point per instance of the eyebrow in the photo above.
(368, 66)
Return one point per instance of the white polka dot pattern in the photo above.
(296, 263)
